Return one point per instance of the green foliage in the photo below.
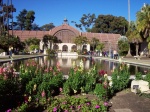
(47, 27)
(29, 20)
(50, 52)
(143, 21)
(41, 85)
(100, 91)
(120, 78)
(77, 104)
(49, 39)
(21, 18)
(123, 46)
(100, 46)
(1, 50)
(33, 47)
(138, 76)
(79, 41)
(6, 42)
(32, 41)
(149, 46)
(147, 78)
(110, 24)
(80, 81)
(22, 108)
(86, 20)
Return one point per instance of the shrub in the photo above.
(100, 91)
(120, 78)
(138, 76)
(147, 78)
(1, 50)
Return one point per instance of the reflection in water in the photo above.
(67, 61)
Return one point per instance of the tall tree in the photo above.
(110, 24)
(49, 39)
(94, 42)
(6, 13)
(80, 40)
(32, 41)
(86, 21)
(143, 21)
(21, 18)
(29, 20)
(134, 36)
(35, 27)
(47, 27)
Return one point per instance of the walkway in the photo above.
(18, 57)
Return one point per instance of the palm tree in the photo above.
(148, 40)
(80, 40)
(100, 47)
(134, 36)
(143, 21)
(50, 39)
(94, 42)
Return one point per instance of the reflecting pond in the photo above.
(66, 63)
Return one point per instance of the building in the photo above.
(66, 34)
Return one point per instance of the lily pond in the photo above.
(66, 63)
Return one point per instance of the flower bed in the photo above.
(44, 88)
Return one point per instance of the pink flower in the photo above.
(60, 89)
(79, 106)
(97, 106)
(9, 110)
(88, 103)
(43, 93)
(1, 70)
(50, 68)
(54, 109)
(27, 64)
(46, 70)
(105, 104)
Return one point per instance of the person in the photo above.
(10, 52)
(115, 54)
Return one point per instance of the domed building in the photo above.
(67, 34)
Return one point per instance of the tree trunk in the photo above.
(129, 52)
(137, 48)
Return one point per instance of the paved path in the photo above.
(18, 57)
(126, 101)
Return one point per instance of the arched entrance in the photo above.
(84, 49)
(56, 47)
(74, 48)
(65, 48)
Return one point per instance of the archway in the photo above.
(56, 47)
(74, 48)
(65, 48)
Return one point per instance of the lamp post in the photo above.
(109, 48)
(129, 12)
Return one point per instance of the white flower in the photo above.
(110, 83)
(29, 100)
(105, 75)
(73, 64)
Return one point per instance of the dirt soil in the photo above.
(129, 100)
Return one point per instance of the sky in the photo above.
(55, 11)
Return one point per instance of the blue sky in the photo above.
(47, 11)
